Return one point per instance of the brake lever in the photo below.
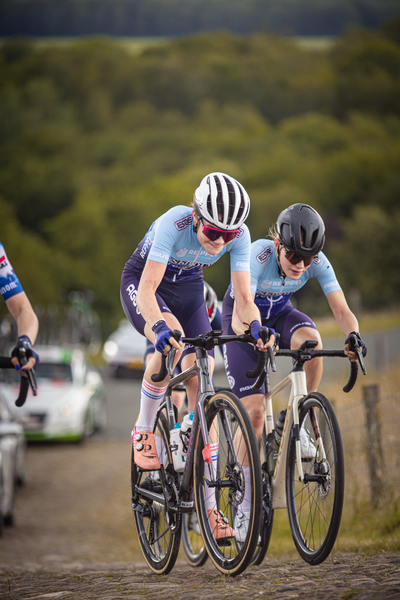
(23, 360)
(167, 360)
(270, 350)
(360, 360)
(355, 348)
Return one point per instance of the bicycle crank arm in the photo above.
(149, 495)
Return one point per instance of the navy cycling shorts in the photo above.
(240, 358)
(184, 299)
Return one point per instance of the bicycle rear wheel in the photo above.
(237, 474)
(315, 507)
(192, 542)
(157, 524)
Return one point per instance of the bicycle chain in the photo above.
(267, 496)
(174, 516)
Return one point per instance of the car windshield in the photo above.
(48, 370)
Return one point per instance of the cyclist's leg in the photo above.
(145, 452)
(178, 396)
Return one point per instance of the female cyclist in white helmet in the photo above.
(162, 290)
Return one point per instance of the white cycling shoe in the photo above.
(308, 449)
(241, 525)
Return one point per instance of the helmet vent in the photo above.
(220, 201)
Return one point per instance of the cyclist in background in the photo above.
(21, 310)
(162, 290)
(279, 267)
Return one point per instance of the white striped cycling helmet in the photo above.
(222, 201)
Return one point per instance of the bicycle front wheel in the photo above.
(192, 542)
(315, 505)
(157, 524)
(235, 487)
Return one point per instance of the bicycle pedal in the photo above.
(224, 542)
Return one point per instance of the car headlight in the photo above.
(66, 410)
(110, 349)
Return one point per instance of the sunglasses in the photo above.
(295, 258)
(213, 234)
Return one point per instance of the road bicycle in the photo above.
(310, 483)
(222, 468)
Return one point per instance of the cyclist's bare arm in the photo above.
(151, 278)
(27, 322)
(344, 317)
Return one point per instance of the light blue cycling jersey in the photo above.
(272, 291)
(9, 283)
(172, 241)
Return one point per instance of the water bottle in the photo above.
(177, 454)
(280, 421)
(185, 433)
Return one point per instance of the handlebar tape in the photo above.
(262, 357)
(353, 377)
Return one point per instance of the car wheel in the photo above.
(20, 473)
(1, 503)
(9, 517)
(101, 416)
(89, 423)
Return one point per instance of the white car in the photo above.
(70, 403)
(12, 463)
(124, 350)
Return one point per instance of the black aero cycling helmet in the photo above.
(222, 201)
(301, 230)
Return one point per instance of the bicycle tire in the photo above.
(192, 542)
(226, 415)
(315, 508)
(158, 543)
(267, 519)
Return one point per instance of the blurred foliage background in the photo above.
(98, 138)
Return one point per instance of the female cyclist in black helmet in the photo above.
(279, 267)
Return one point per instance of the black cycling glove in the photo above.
(360, 342)
(24, 341)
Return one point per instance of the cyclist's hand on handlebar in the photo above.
(164, 339)
(349, 347)
(257, 331)
(30, 359)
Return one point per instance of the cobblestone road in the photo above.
(348, 577)
(74, 540)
